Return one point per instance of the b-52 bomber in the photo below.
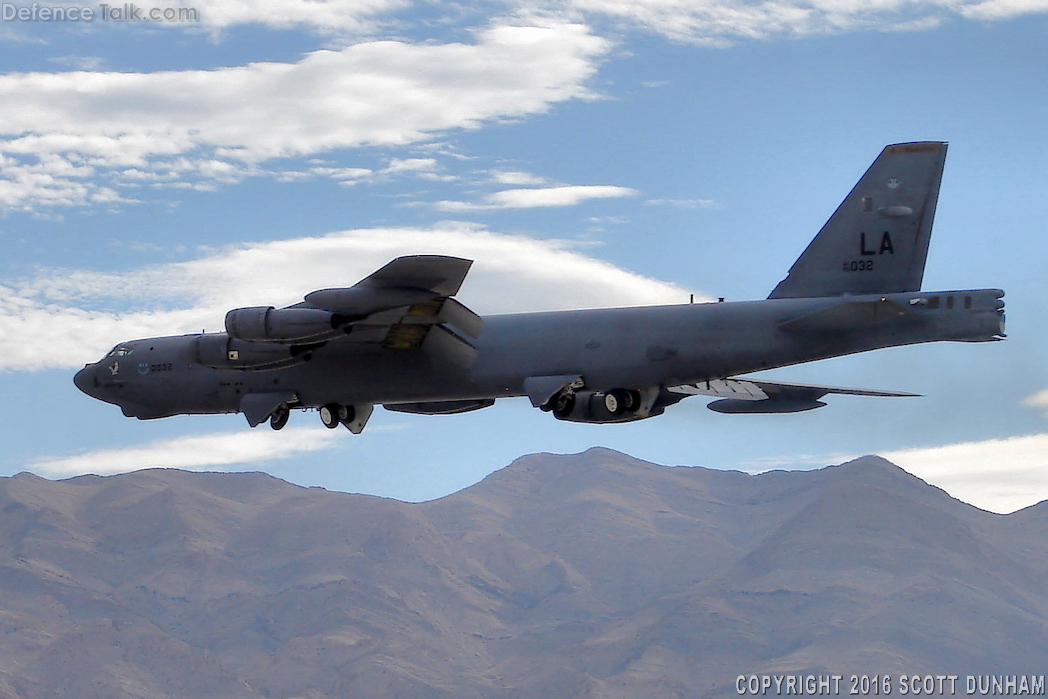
(399, 339)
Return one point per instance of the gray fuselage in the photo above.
(631, 348)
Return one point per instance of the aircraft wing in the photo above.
(758, 396)
(407, 305)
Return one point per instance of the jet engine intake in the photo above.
(280, 325)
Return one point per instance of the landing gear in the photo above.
(562, 404)
(619, 401)
(333, 415)
(278, 418)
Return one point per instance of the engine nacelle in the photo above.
(283, 325)
(599, 406)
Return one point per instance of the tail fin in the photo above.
(876, 242)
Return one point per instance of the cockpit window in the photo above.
(120, 351)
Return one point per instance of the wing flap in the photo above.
(756, 396)
(444, 345)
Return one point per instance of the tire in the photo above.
(619, 401)
(349, 414)
(329, 415)
(279, 417)
(563, 404)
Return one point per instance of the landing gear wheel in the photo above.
(349, 416)
(563, 404)
(279, 417)
(619, 401)
(332, 415)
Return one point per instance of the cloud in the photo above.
(1002, 9)
(999, 475)
(683, 203)
(74, 130)
(77, 315)
(211, 452)
(723, 22)
(1038, 400)
(517, 178)
(714, 22)
(323, 16)
(533, 198)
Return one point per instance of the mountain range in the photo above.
(586, 575)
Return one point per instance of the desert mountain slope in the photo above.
(586, 575)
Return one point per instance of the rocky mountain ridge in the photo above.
(582, 575)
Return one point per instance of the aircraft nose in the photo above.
(85, 380)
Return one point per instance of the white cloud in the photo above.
(216, 451)
(73, 130)
(719, 23)
(532, 198)
(683, 203)
(517, 178)
(324, 16)
(713, 22)
(1002, 9)
(77, 315)
(1038, 400)
(999, 475)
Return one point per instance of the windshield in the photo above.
(120, 351)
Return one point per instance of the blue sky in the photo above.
(155, 174)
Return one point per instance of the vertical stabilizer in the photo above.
(876, 242)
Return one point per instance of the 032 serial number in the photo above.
(858, 266)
